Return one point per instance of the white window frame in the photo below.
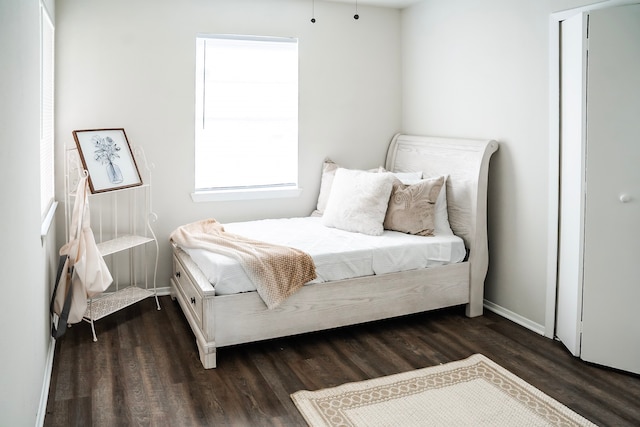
(48, 204)
(281, 186)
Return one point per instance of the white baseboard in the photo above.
(514, 317)
(166, 290)
(46, 382)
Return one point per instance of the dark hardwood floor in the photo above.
(144, 369)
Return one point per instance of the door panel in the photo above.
(572, 143)
(611, 290)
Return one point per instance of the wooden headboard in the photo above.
(466, 163)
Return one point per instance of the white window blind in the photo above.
(246, 126)
(47, 188)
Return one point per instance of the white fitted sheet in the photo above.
(337, 254)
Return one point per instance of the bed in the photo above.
(220, 317)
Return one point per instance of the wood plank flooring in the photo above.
(144, 370)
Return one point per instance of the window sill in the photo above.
(48, 220)
(249, 194)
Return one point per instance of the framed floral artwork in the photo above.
(107, 157)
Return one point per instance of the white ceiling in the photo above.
(396, 4)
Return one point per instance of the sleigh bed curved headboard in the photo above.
(466, 164)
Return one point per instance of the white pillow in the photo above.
(329, 168)
(328, 173)
(358, 201)
(408, 178)
(441, 220)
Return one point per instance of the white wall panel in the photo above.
(24, 283)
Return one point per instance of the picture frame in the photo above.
(107, 156)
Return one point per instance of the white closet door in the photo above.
(571, 244)
(611, 288)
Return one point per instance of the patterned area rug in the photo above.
(470, 392)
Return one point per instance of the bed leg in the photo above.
(476, 303)
(476, 290)
(207, 355)
(472, 310)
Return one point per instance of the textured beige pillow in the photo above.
(411, 208)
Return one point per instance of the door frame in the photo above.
(554, 154)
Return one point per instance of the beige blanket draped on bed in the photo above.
(276, 271)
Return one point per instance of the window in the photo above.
(246, 130)
(47, 188)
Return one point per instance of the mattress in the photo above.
(337, 254)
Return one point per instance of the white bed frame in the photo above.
(223, 320)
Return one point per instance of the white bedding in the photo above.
(337, 254)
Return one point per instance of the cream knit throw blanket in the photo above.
(276, 271)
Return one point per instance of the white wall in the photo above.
(480, 69)
(131, 64)
(23, 258)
